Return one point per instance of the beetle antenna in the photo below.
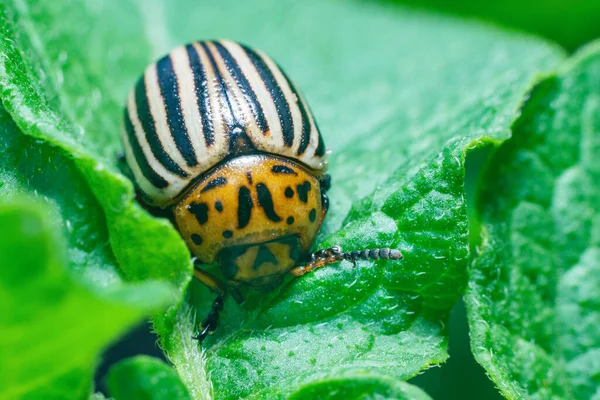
(325, 257)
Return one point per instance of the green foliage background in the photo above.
(402, 96)
(568, 23)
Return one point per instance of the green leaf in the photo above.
(145, 378)
(52, 326)
(400, 97)
(34, 168)
(569, 23)
(533, 299)
(56, 90)
(360, 386)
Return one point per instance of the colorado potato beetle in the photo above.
(217, 134)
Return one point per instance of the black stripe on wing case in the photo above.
(238, 76)
(169, 89)
(145, 116)
(305, 140)
(234, 127)
(202, 95)
(155, 179)
(320, 151)
(281, 103)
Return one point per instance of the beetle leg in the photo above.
(210, 281)
(325, 257)
(209, 324)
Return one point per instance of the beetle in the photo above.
(217, 134)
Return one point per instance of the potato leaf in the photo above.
(52, 326)
(533, 298)
(145, 378)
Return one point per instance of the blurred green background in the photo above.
(570, 23)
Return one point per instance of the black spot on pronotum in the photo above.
(197, 239)
(200, 211)
(266, 202)
(282, 169)
(289, 192)
(214, 183)
(249, 176)
(303, 190)
(219, 206)
(312, 215)
(245, 205)
(227, 234)
(289, 220)
(264, 255)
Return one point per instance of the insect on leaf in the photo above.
(399, 101)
